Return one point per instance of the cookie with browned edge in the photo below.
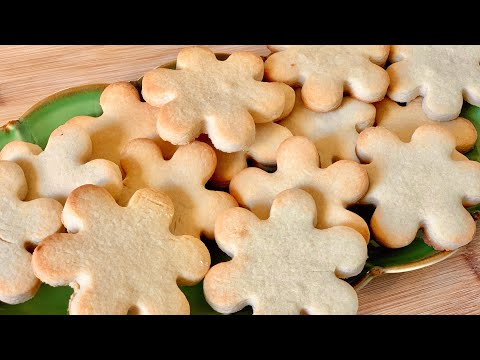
(23, 224)
(326, 72)
(223, 99)
(335, 188)
(424, 183)
(284, 265)
(118, 259)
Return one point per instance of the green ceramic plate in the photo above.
(36, 125)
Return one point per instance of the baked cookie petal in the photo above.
(23, 225)
(17, 281)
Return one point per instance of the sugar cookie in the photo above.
(283, 265)
(182, 178)
(121, 259)
(325, 72)
(404, 120)
(125, 117)
(223, 99)
(444, 75)
(334, 133)
(420, 184)
(23, 224)
(334, 188)
(268, 138)
(63, 166)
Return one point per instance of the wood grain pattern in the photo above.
(451, 286)
(30, 73)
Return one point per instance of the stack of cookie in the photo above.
(117, 206)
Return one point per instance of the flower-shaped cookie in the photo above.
(63, 166)
(334, 133)
(284, 265)
(183, 178)
(325, 72)
(443, 75)
(23, 224)
(223, 99)
(268, 138)
(421, 184)
(404, 120)
(121, 259)
(124, 118)
(334, 188)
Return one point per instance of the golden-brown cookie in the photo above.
(325, 72)
(23, 224)
(121, 259)
(283, 265)
(125, 117)
(334, 188)
(63, 166)
(182, 178)
(425, 184)
(404, 120)
(223, 99)
(334, 133)
(268, 138)
(444, 75)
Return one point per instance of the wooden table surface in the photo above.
(30, 73)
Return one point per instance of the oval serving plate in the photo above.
(39, 121)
